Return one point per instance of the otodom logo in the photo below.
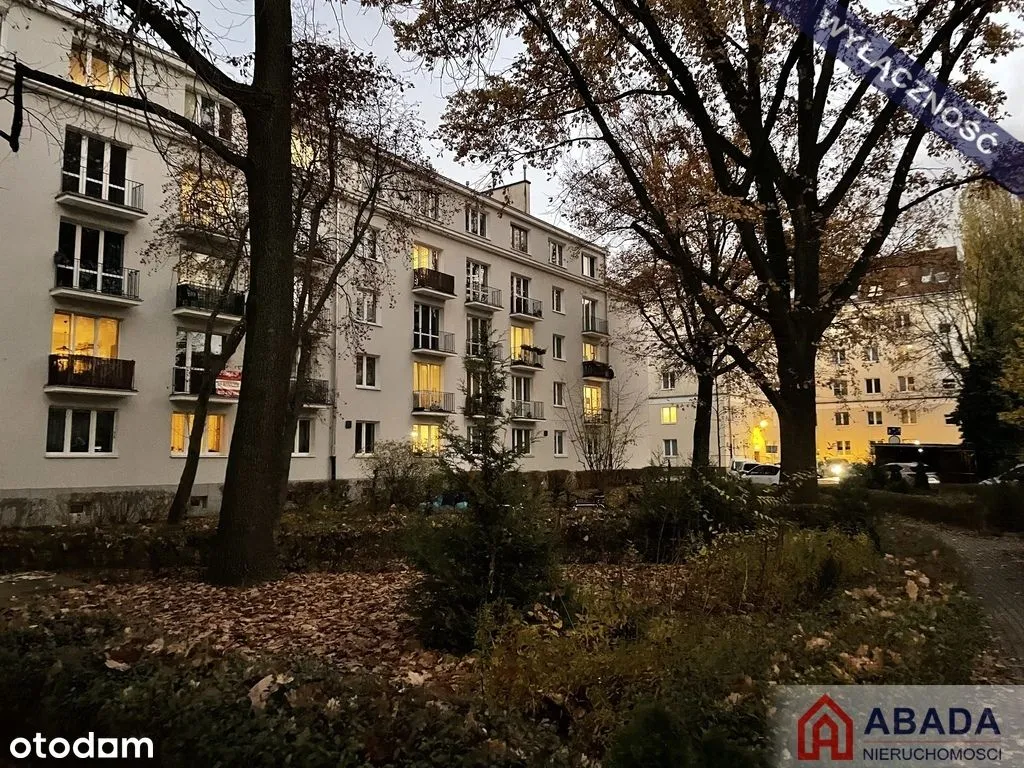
(824, 731)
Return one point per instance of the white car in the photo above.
(741, 466)
(763, 474)
(1015, 475)
(908, 471)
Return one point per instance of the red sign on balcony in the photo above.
(229, 383)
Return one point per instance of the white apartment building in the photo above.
(102, 352)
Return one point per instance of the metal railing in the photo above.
(315, 391)
(116, 191)
(526, 409)
(477, 405)
(477, 347)
(89, 371)
(437, 402)
(597, 415)
(434, 342)
(208, 299)
(483, 294)
(431, 279)
(596, 369)
(89, 276)
(524, 305)
(528, 356)
(593, 324)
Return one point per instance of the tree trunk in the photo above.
(702, 420)
(797, 412)
(244, 549)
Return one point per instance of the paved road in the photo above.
(996, 565)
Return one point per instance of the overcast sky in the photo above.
(363, 29)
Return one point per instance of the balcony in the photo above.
(525, 410)
(427, 402)
(316, 393)
(207, 229)
(525, 308)
(597, 416)
(86, 281)
(483, 297)
(186, 384)
(595, 326)
(84, 374)
(200, 301)
(595, 369)
(476, 348)
(430, 282)
(527, 358)
(477, 406)
(437, 344)
(117, 198)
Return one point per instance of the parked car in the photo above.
(908, 471)
(742, 466)
(1015, 476)
(763, 474)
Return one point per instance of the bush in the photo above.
(1004, 506)
(398, 476)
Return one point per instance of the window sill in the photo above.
(201, 455)
(373, 324)
(369, 389)
(303, 455)
(82, 455)
(362, 455)
(561, 456)
(558, 311)
(559, 359)
(559, 405)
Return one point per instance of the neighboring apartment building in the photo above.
(103, 353)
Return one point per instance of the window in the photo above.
(840, 388)
(303, 437)
(211, 114)
(843, 447)
(873, 386)
(902, 320)
(478, 333)
(520, 239)
(591, 400)
(366, 371)
(366, 306)
(522, 439)
(560, 442)
(426, 377)
(519, 336)
(520, 294)
(874, 291)
(475, 438)
(874, 417)
(425, 257)
(842, 418)
(90, 260)
(556, 253)
(521, 392)
(906, 383)
(95, 168)
(96, 69)
(556, 300)
(366, 249)
(589, 265)
(668, 379)
(426, 326)
(670, 447)
(908, 416)
(589, 351)
(871, 353)
(942, 277)
(839, 357)
(181, 428)
(476, 221)
(558, 393)
(949, 383)
(84, 335)
(428, 204)
(476, 274)
(70, 430)
(945, 328)
(204, 200)
(366, 437)
(426, 438)
(190, 360)
(558, 347)
(669, 414)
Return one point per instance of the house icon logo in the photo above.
(824, 731)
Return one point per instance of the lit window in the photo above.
(366, 371)
(181, 429)
(874, 417)
(426, 438)
(589, 351)
(557, 347)
(670, 447)
(425, 257)
(84, 335)
(71, 430)
(303, 437)
(520, 239)
(842, 418)
(205, 201)
(559, 442)
(366, 437)
(669, 414)
(873, 386)
(843, 447)
(96, 69)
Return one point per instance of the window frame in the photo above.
(557, 346)
(364, 295)
(309, 437)
(841, 418)
(361, 371)
(557, 300)
(591, 260)
(118, 71)
(558, 444)
(204, 451)
(669, 378)
(873, 386)
(476, 220)
(66, 451)
(556, 253)
(523, 236)
(516, 434)
(558, 394)
(360, 437)
(672, 412)
(672, 442)
(875, 419)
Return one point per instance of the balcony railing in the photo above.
(208, 299)
(483, 294)
(526, 409)
(110, 190)
(478, 405)
(477, 347)
(596, 325)
(432, 280)
(89, 276)
(597, 415)
(93, 372)
(528, 356)
(315, 391)
(595, 369)
(434, 342)
(434, 402)
(524, 305)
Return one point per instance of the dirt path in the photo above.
(16, 587)
(996, 566)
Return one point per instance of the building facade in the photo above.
(104, 351)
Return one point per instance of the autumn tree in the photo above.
(604, 433)
(813, 167)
